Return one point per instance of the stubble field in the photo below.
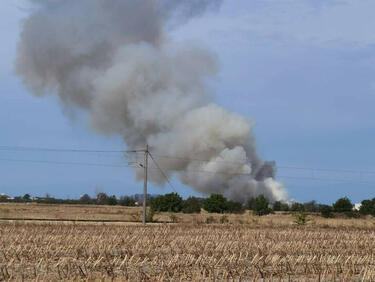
(269, 249)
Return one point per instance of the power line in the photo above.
(59, 150)
(277, 166)
(63, 163)
(38, 149)
(162, 172)
(189, 170)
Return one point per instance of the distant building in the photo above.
(4, 197)
(357, 206)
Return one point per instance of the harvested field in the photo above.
(188, 252)
(45, 212)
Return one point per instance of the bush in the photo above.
(224, 219)
(297, 207)
(353, 214)
(311, 206)
(126, 201)
(284, 207)
(173, 218)
(150, 216)
(234, 207)
(301, 219)
(325, 211)
(112, 201)
(167, 203)
(191, 205)
(260, 206)
(250, 203)
(343, 205)
(216, 203)
(277, 206)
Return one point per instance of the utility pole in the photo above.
(145, 185)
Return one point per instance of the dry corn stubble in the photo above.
(187, 252)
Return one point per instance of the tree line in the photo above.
(216, 203)
(100, 199)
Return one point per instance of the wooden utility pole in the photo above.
(145, 185)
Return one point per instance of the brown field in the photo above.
(245, 247)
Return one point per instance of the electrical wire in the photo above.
(127, 152)
(162, 172)
(63, 163)
(160, 169)
(36, 149)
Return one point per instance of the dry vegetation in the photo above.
(57, 251)
(243, 248)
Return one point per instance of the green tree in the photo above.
(216, 203)
(85, 199)
(250, 203)
(343, 205)
(311, 206)
(112, 201)
(284, 207)
(191, 205)
(277, 206)
(325, 211)
(367, 207)
(102, 198)
(167, 203)
(234, 207)
(297, 207)
(260, 206)
(126, 201)
(27, 197)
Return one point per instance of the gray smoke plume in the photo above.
(113, 59)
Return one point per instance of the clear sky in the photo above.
(303, 70)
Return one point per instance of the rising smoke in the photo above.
(113, 59)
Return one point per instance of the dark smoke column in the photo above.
(114, 60)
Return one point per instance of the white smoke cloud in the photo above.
(114, 60)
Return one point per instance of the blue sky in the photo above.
(303, 70)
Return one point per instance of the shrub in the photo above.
(311, 206)
(126, 201)
(191, 205)
(343, 205)
(167, 203)
(250, 203)
(284, 207)
(112, 201)
(216, 203)
(277, 206)
(260, 206)
(150, 216)
(301, 219)
(234, 207)
(297, 207)
(353, 214)
(173, 218)
(325, 211)
(224, 219)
